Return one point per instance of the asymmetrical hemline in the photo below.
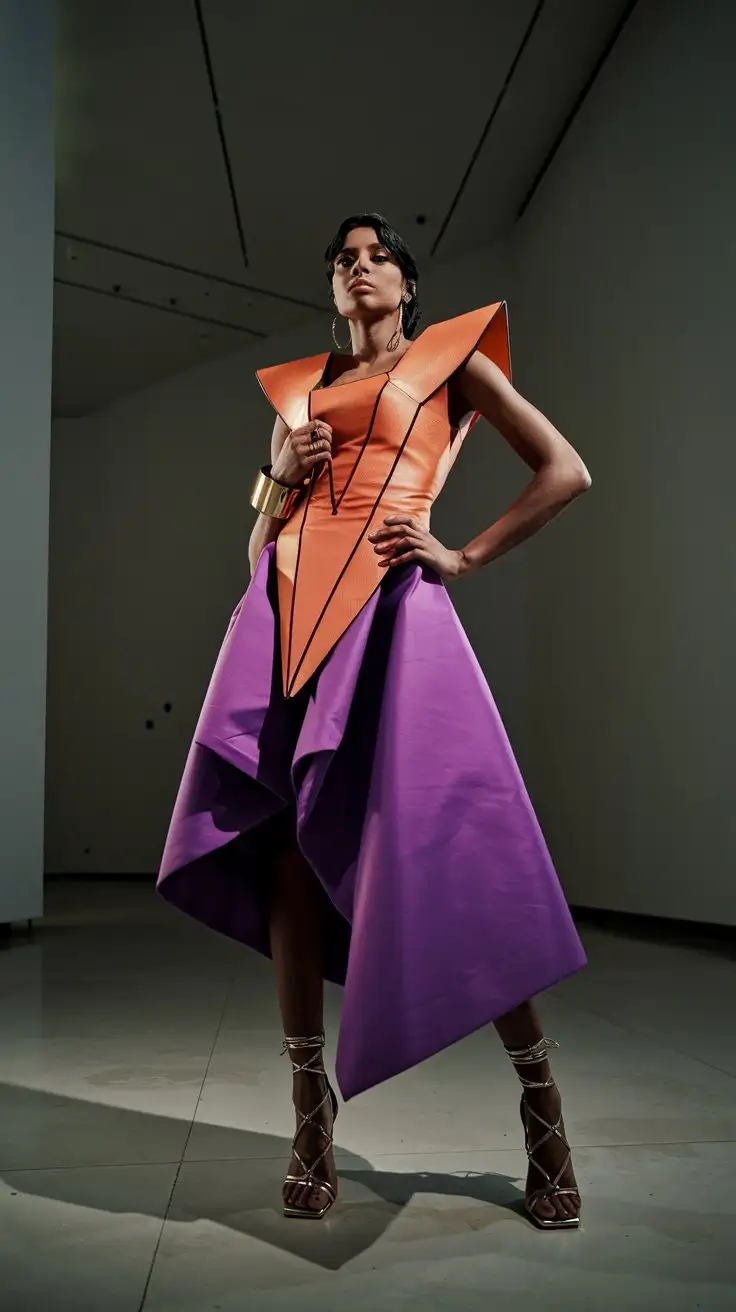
(441, 906)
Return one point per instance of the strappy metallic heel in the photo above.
(315, 1066)
(537, 1052)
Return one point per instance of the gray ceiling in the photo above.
(207, 149)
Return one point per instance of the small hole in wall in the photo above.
(167, 707)
(87, 851)
(149, 724)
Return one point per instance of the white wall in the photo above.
(26, 253)
(608, 640)
(624, 308)
(149, 530)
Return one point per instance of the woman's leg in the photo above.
(295, 922)
(520, 1029)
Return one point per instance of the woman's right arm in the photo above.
(293, 456)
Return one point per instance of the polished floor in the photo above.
(145, 1120)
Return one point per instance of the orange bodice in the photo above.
(392, 447)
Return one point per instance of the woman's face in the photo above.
(367, 281)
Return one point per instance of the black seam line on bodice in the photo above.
(335, 505)
(341, 575)
(359, 456)
(310, 489)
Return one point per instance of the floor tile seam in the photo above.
(177, 1171)
(92, 1166)
(345, 1153)
(644, 1034)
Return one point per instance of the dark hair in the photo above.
(388, 237)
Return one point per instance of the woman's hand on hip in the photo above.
(303, 448)
(402, 541)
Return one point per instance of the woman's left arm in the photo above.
(559, 477)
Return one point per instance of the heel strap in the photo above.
(532, 1056)
(311, 1120)
(314, 1064)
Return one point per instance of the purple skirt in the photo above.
(442, 909)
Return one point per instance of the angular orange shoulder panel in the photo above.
(287, 386)
(443, 348)
(391, 453)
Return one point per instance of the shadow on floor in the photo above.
(235, 1181)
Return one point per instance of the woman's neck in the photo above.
(369, 341)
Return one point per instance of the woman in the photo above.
(351, 805)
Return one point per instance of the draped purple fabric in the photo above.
(442, 907)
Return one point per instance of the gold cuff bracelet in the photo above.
(271, 498)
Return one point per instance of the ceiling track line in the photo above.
(221, 129)
(489, 123)
(154, 305)
(582, 97)
(218, 278)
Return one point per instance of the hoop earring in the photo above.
(394, 340)
(340, 347)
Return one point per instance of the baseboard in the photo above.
(94, 877)
(631, 924)
(662, 929)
